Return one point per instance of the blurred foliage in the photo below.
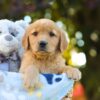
(76, 15)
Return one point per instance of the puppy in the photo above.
(43, 43)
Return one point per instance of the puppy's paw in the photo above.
(74, 73)
(31, 82)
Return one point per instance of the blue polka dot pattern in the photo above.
(58, 79)
(49, 78)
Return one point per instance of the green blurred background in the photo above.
(81, 20)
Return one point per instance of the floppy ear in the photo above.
(64, 40)
(25, 41)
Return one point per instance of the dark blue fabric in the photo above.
(58, 79)
(49, 78)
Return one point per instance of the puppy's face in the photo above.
(43, 36)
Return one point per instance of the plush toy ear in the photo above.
(25, 41)
(64, 40)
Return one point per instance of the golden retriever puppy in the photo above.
(44, 42)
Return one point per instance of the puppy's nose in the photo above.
(43, 44)
(8, 37)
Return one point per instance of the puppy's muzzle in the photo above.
(42, 45)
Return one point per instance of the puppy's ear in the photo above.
(64, 40)
(25, 41)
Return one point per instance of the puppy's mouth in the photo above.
(42, 54)
(42, 50)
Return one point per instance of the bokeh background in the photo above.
(81, 20)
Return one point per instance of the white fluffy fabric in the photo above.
(54, 87)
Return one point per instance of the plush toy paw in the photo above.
(74, 73)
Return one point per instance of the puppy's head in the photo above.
(44, 37)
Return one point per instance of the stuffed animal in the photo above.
(10, 45)
(21, 24)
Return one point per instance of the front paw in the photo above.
(31, 82)
(74, 73)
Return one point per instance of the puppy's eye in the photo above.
(35, 33)
(51, 34)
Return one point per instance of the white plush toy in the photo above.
(22, 23)
(10, 45)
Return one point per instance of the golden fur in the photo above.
(36, 61)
